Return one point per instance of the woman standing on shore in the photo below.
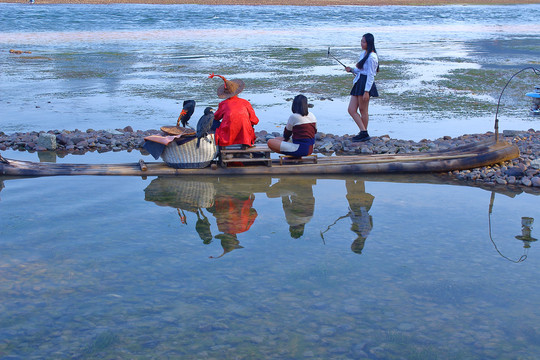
(363, 85)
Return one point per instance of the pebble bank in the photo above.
(521, 172)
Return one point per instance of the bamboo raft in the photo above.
(459, 158)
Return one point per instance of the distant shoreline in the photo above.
(287, 2)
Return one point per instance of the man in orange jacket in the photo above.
(237, 115)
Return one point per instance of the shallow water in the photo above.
(345, 268)
(117, 65)
(120, 267)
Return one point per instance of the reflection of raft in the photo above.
(460, 158)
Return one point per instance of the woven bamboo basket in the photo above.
(188, 156)
(180, 193)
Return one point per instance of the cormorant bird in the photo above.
(205, 124)
(187, 111)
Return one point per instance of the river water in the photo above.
(415, 267)
(442, 68)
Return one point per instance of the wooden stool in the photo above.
(284, 159)
(235, 153)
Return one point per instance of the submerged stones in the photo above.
(523, 171)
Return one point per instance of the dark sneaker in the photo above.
(362, 136)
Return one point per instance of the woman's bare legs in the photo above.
(363, 106)
(274, 144)
(355, 104)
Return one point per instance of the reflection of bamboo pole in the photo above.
(522, 257)
(335, 222)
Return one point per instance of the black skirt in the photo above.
(360, 85)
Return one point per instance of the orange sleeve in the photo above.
(252, 117)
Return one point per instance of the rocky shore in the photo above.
(521, 172)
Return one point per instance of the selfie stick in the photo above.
(334, 57)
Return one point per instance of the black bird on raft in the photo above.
(188, 107)
(205, 124)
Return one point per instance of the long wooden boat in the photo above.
(459, 158)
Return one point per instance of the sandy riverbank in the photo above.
(286, 2)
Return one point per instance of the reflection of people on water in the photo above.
(229, 199)
(297, 200)
(229, 242)
(234, 215)
(185, 195)
(359, 204)
(202, 226)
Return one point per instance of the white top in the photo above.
(369, 69)
(297, 119)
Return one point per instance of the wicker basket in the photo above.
(188, 156)
(180, 193)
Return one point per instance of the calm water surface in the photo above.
(253, 268)
(111, 66)
(260, 267)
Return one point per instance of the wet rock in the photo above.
(104, 140)
(530, 173)
(77, 138)
(327, 146)
(47, 141)
(511, 133)
(535, 181)
(113, 132)
(83, 144)
(63, 138)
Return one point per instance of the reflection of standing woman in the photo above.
(363, 85)
(360, 203)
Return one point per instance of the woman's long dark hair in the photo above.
(370, 40)
(300, 105)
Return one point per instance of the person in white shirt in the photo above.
(301, 126)
(363, 85)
